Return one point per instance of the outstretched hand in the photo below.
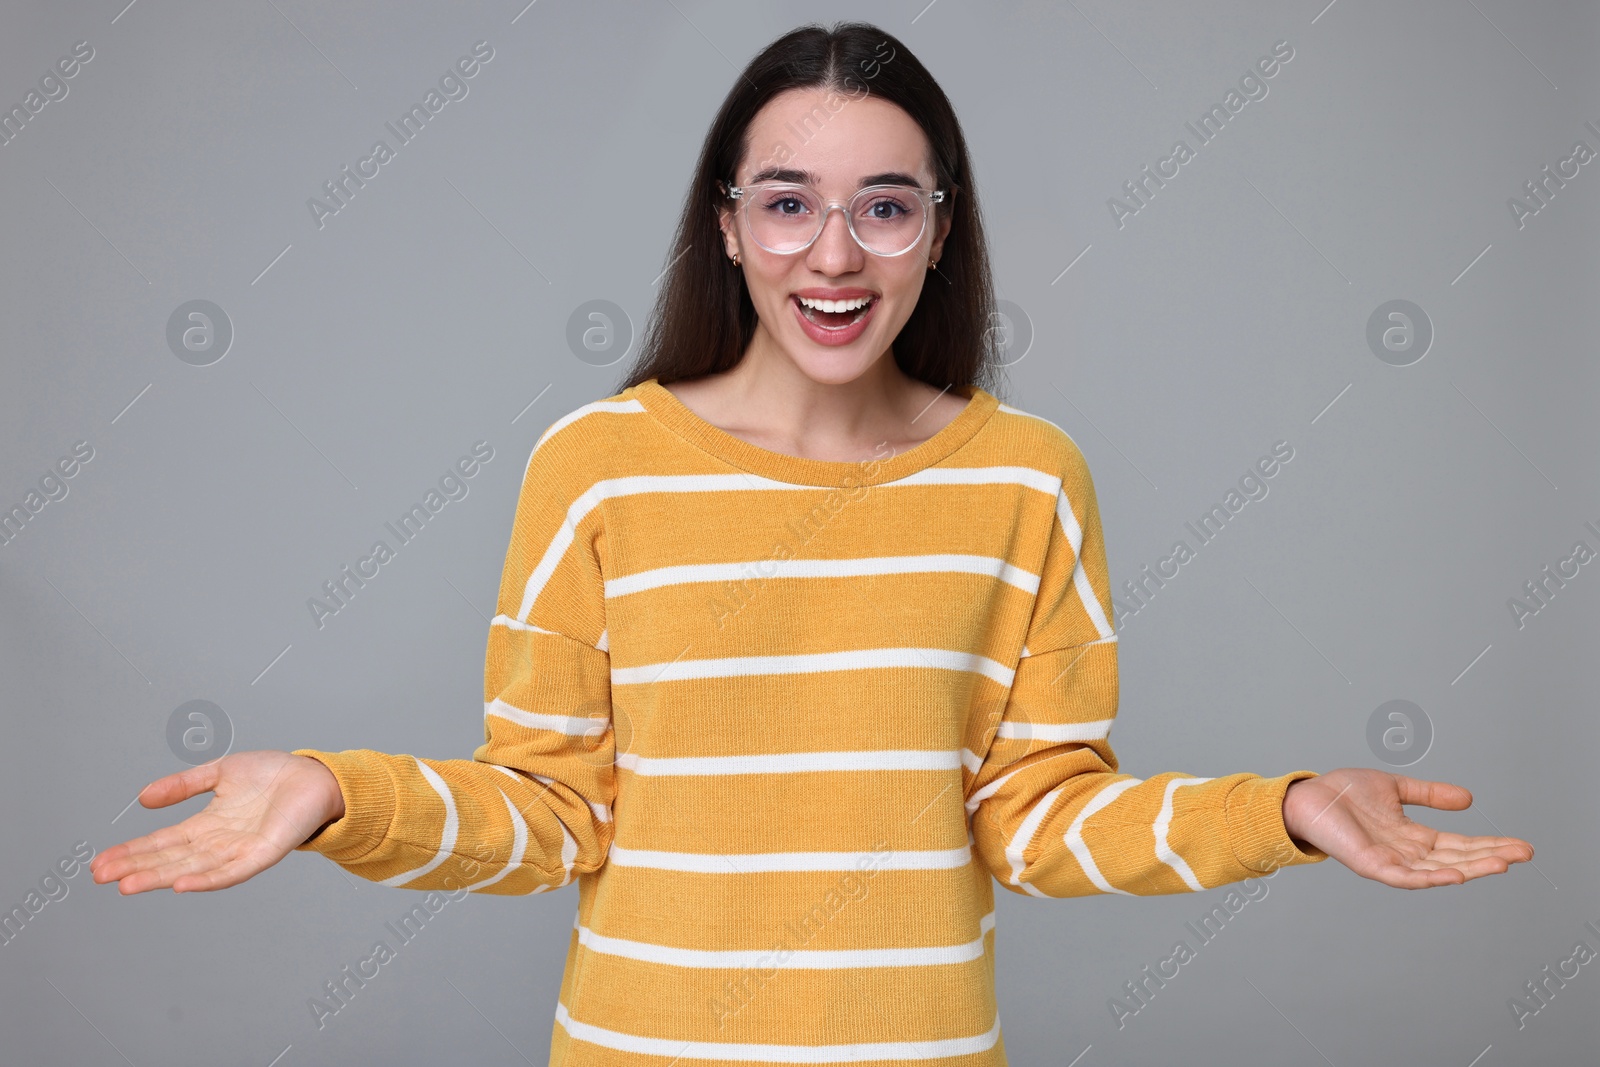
(1354, 815)
(265, 804)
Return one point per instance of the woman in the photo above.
(803, 637)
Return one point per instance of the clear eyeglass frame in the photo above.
(929, 197)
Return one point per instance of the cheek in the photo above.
(904, 287)
(768, 292)
(771, 283)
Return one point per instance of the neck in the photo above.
(824, 411)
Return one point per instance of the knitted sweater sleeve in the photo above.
(532, 807)
(1052, 816)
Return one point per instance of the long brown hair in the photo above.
(703, 318)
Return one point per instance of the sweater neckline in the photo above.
(662, 403)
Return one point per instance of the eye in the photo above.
(785, 203)
(885, 209)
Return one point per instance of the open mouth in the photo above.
(835, 314)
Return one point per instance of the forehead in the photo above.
(839, 138)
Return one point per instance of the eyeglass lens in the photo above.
(782, 218)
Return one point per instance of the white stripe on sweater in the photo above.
(771, 862)
(516, 624)
(1080, 577)
(990, 790)
(572, 725)
(1096, 730)
(578, 413)
(602, 813)
(792, 762)
(823, 568)
(1024, 836)
(1074, 835)
(1163, 822)
(813, 662)
(1028, 477)
(569, 847)
(509, 623)
(1009, 410)
(819, 959)
(519, 844)
(447, 839)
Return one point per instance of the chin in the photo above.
(833, 367)
(839, 365)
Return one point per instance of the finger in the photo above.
(1444, 795)
(1402, 876)
(148, 860)
(229, 874)
(1469, 869)
(1449, 840)
(145, 873)
(164, 875)
(1511, 853)
(180, 786)
(1429, 871)
(117, 857)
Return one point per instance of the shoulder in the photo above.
(574, 447)
(609, 416)
(1037, 442)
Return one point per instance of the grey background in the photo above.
(431, 312)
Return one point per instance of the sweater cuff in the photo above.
(369, 806)
(1254, 813)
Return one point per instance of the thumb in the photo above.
(174, 788)
(1443, 795)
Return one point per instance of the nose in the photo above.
(835, 251)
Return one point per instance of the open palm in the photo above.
(265, 804)
(1354, 814)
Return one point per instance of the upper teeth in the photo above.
(836, 305)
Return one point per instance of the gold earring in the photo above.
(933, 264)
(736, 259)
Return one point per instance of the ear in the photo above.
(730, 229)
(941, 231)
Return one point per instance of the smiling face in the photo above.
(852, 142)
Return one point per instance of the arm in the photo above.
(532, 808)
(1052, 816)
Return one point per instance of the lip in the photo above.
(833, 294)
(834, 338)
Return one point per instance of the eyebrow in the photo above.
(806, 177)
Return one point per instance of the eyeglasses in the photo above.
(785, 217)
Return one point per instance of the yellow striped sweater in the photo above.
(783, 720)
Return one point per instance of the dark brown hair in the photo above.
(703, 318)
